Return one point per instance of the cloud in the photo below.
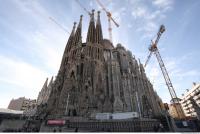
(176, 72)
(44, 44)
(47, 41)
(139, 12)
(91, 4)
(147, 18)
(20, 73)
(47, 48)
(117, 15)
(20, 78)
(163, 4)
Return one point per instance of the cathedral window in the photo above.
(72, 74)
(77, 68)
(81, 71)
(90, 53)
(74, 112)
(98, 53)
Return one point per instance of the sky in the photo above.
(32, 45)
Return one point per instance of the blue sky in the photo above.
(31, 45)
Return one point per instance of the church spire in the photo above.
(68, 46)
(45, 85)
(141, 67)
(78, 37)
(98, 34)
(91, 29)
(50, 84)
(73, 30)
(71, 38)
(51, 81)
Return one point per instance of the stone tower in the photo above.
(95, 77)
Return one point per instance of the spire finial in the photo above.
(74, 24)
(74, 27)
(80, 23)
(98, 17)
(139, 61)
(98, 33)
(92, 15)
(93, 11)
(77, 38)
(81, 17)
(91, 29)
(73, 30)
(45, 84)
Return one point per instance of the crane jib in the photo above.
(153, 49)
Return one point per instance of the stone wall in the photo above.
(97, 77)
(11, 124)
(104, 126)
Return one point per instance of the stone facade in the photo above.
(190, 101)
(97, 77)
(145, 125)
(44, 94)
(22, 104)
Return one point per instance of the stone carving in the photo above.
(98, 77)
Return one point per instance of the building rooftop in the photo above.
(194, 87)
(9, 111)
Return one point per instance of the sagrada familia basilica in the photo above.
(97, 77)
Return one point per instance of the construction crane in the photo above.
(52, 19)
(154, 50)
(109, 15)
(83, 8)
(49, 17)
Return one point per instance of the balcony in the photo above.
(197, 97)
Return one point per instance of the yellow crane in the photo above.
(110, 18)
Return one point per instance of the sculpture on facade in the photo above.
(96, 77)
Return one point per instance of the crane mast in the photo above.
(153, 49)
(166, 76)
(110, 29)
(109, 15)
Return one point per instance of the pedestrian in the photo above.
(155, 128)
(60, 130)
(161, 128)
(76, 130)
